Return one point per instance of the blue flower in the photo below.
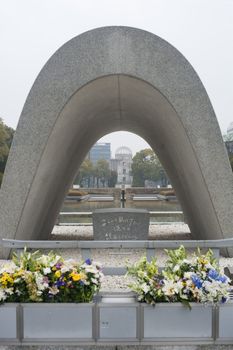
(224, 300)
(214, 275)
(197, 281)
(222, 279)
(88, 261)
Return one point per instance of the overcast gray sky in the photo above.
(32, 30)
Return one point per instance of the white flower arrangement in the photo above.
(197, 279)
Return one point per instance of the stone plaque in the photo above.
(121, 224)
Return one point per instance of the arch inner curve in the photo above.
(107, 104)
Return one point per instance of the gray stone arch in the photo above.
(109, 79)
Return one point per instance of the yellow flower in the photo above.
(6, 278)
(58, 273)
(75, 276)
(203, 261)
(18, 274)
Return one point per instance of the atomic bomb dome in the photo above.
(124, 156)
(123, 150)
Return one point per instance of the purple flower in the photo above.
(88, 261)
(224, 300)
(158, 280)
(59, 283)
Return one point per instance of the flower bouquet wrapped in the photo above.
(48, 278)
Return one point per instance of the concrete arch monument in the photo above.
(109, 79)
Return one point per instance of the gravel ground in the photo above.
(121, 257)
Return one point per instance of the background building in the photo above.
(121, 164)
(100, 151)
(114, 164)
(123, 157)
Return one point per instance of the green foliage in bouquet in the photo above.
(148, 281)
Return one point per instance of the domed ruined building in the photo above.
(123, 156)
